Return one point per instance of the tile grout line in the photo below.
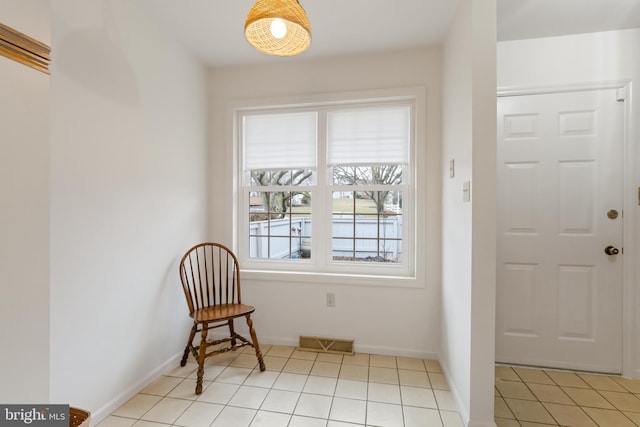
(562, 388)
(229, 364)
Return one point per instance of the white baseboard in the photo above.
(134, 389)
(462, 410)
(394, 351)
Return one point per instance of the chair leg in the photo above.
(232, 333)
(185, 356)
(256, 345)
(201, 357)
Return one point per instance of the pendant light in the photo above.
(278, 27)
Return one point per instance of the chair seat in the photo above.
(221, 312)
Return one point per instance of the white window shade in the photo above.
(369, 136)
(280, 141)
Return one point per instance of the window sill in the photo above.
(331, 278)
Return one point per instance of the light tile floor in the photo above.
(298, 389)
(526, 397)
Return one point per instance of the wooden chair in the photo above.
(211, 281)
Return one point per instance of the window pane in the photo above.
(352, 202)
(344, 208)
(390, 250)
(367, 226)
(263, 178)
(368, 175)
(280, 225)
(343, 226)
(392, 202)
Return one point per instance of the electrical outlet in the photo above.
(331, 299)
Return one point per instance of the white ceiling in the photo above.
(213, 29)
(524, 19)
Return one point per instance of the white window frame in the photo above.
(321, 268)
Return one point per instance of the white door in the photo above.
(559, 295)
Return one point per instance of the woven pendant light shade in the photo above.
(257, 27)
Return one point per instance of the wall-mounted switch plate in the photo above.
(466, 191)
(452, 168)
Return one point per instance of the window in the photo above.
(327, 188)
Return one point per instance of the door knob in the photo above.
(610, 250)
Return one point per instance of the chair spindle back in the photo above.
(210, 276)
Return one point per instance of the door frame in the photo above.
(631, 197)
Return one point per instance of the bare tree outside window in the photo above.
(277, 203)
(371, 175)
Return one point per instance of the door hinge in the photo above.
(621, 94)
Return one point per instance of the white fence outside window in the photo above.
(288, 237)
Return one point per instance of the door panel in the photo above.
(560, 170)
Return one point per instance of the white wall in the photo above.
(128, 197)
(24, 215)
(484, 190)
(457, 134)
(385, 320)
(468, 243)
(587, 59)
